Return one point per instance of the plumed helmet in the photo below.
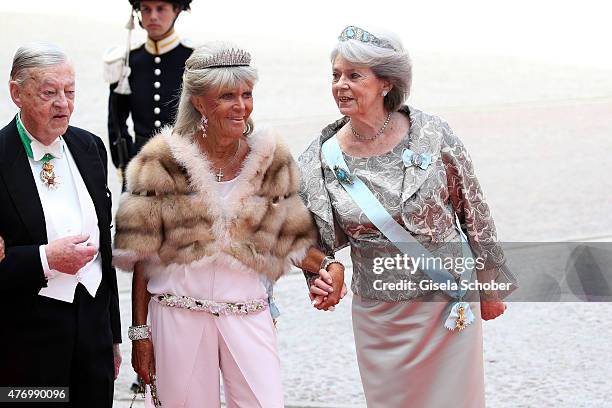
(182, 4)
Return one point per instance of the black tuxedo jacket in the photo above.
(22, 225)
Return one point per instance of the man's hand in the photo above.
(143, 359)
(117, 359)
(1, 249)
(69, 254)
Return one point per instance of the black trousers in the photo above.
(60, 344)
(139, 142)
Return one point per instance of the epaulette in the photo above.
(114, 59)
(186, 42)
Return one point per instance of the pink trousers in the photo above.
(193, 348)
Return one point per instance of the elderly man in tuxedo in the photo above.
(59, 308)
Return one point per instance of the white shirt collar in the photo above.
(39, 150)
(164, 45)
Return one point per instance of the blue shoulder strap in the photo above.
(380, 217)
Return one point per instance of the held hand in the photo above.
(69, 254)
(490, 309)
(317, 299)
(332, 308)
(1, 249)
(117, 359)
(329, 288)
(319, 290)
(143, 359)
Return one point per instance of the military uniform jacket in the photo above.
(155, 82)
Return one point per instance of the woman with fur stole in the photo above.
(209, 220)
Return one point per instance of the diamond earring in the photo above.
(384, 93)
(203, 125)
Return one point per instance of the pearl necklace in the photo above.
(380, 132)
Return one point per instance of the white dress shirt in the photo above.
(68, 210)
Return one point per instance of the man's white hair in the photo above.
(35, 55)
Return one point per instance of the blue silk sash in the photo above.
(397, 234)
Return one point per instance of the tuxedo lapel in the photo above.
(87, 159)
(19, 181)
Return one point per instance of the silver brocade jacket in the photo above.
(426, 207)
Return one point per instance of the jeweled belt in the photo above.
(210, 306)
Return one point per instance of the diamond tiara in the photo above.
(359, 34)
(227, 58)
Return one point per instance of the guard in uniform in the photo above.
(145, 82)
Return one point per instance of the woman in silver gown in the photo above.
(406, 355)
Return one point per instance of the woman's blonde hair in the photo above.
(200, 81)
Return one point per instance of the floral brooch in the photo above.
(421, 160)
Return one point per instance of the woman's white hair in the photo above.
(200, 81)
(393, 65)
(32, 56)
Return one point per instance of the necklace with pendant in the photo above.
(380, 131)
(220, 173)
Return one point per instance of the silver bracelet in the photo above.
(328, 260)
(139, 332)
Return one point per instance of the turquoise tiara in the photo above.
(359, 34)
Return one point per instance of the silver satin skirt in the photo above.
(407, 358)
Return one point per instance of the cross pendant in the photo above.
(219, 175)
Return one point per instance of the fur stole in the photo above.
(172, 213)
